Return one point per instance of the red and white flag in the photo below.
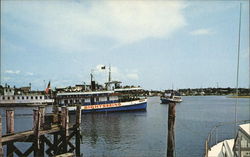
(48, 88)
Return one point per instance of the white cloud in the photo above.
(17, 72)
(29, 73)
(201, 32)
(12, 71)
(76, 26)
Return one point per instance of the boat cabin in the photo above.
(241, 146)
(98, 97)
(86, 98)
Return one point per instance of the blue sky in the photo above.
(154, 44)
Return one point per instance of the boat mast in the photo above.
(237, 78)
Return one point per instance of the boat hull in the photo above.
(113, 107)
(167, 101)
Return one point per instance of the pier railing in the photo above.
(221, 132)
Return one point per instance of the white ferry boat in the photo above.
(123, 99)
(10, 98)
(113, 98)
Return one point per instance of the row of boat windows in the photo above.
(8, 90)
(76, 101)
(79, 96)
(66, 101)
(23, 97)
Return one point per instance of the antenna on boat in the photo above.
(92, 82)
(109, 80)
(237, 78)
(91, 75)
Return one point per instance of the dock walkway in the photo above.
(54, 125)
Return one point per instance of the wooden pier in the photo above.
(51, 134)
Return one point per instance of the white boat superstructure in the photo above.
(25, 99)
(171, 97)
(238, 147)
(11, 97)
(122, 99)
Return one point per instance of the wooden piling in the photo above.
(35, 116)
(78, 114)
(9, 121)
(78, 130)
(55, 109)
(37, 136)
(37, 127)
(65, 127)
(10, 130)
(42, 111)
(171, 135)
(65, 120)
(1, 146)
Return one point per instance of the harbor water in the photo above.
(143, 133)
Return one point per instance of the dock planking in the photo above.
(56, 125)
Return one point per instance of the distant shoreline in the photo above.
(239, 96)
(228, 96)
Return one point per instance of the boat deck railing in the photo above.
(221, 132)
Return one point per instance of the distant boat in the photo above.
(171, 97)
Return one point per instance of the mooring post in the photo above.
(1, 146)
(9, 121)
(41, 110)
(10, 130)
(78, 129)
(65, 128)
(171, 122)
(36, 128)
(78, 114)
(35, 116)
(55, 109)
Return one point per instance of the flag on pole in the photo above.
(103, 67)
(48, 88)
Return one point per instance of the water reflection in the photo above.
(107, 128)
(138, 134)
